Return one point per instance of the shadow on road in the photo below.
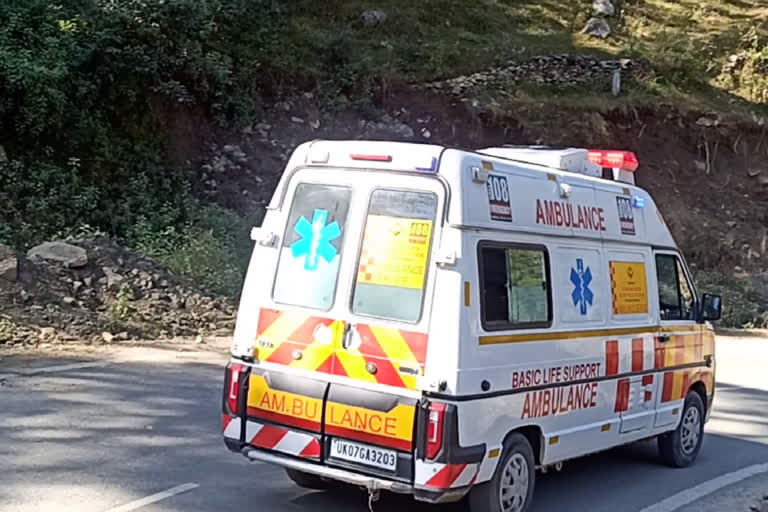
(107, 436)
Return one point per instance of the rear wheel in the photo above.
(308, 480)
(511, 488)
(680, 447)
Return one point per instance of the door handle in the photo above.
(345, 338)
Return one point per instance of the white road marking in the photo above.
(694, 493)
(63, 367)
(154, 498)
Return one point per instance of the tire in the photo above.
(680, 447)
(309, 481)
(517, 458)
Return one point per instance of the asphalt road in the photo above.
(134, 423)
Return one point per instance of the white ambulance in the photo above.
(443, 323)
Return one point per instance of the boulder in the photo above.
(60, 252)
(603, 7)
(597, 27)
(373, 17)
(114, 280)
(9, 264)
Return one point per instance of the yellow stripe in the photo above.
(312, 357)
(410, 381)
(690, 348)
(354, 365)
(570, 335)
(393, 344)
(682, 328)
(285, 325)
(397, 351)
(316, 353)
(467, 293)
(669, 354)
(677, 385)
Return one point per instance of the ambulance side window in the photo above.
(311, 250)
(676, 300)
(514, 286)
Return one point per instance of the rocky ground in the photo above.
(90, 289)
(558, 70)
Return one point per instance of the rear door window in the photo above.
(394, 255)
(310, 254)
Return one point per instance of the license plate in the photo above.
(364, 454)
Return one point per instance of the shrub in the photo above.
(212, 248)
(87, 88)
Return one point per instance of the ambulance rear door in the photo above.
(342, 344)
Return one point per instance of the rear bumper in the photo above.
(366, 481)
(342, 475)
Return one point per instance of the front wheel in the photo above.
(680, 447)
(511, 488)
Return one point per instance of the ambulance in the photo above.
(445, 323)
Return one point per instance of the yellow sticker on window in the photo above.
(395, 251)
(629, 288)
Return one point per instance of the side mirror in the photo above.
(711, 307)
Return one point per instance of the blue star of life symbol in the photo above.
(316, 238)
(582, 295)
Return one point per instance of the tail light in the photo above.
(233, 393)
(435, 425)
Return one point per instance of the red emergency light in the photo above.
(624, 160)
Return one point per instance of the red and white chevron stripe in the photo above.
(437, 476)
(231, 426)
(275, 438)
(630, 356)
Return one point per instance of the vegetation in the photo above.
(91, 91)
(87, 92)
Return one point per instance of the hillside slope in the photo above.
(165, 124)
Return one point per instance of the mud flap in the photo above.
(452, 473)
(232, 420)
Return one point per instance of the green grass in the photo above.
(686, 41)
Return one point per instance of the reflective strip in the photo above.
(638, 355)
(467, 477)
(435, 475)
(290, 339)
(232, 427)
(282, 440)
(611, 357)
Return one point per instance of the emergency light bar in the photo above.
(624, 160)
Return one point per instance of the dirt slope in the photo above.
(709, 175)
